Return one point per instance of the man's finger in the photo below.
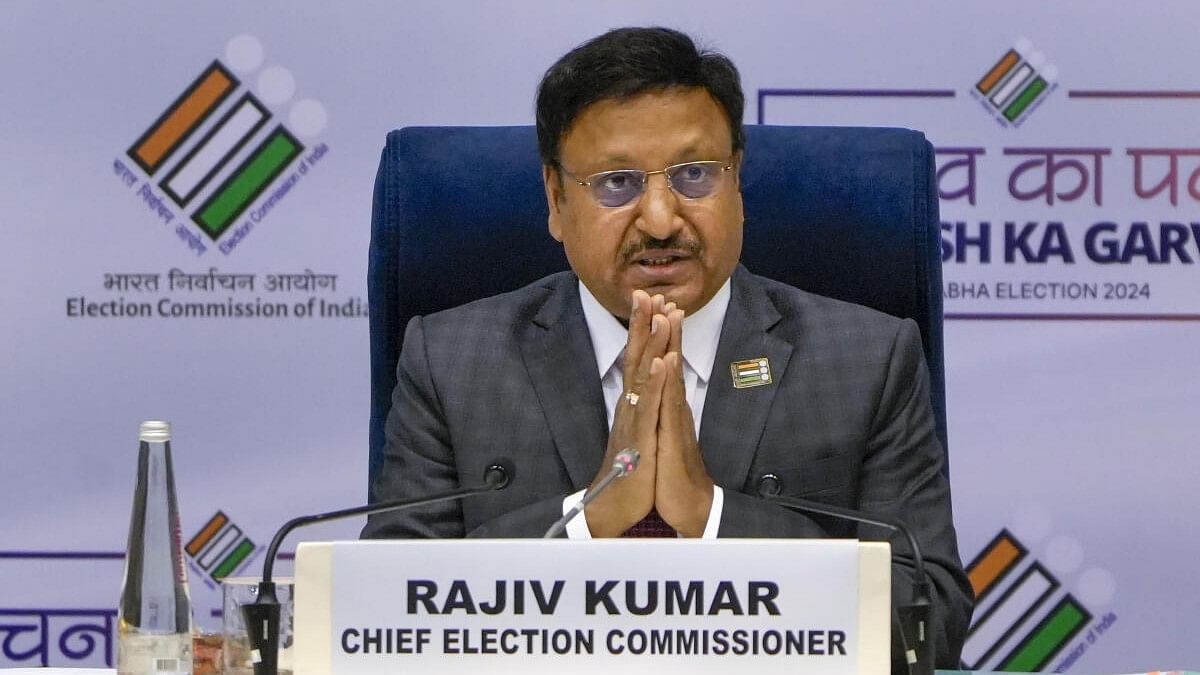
(646, 414)
(673, 390)
(639, 330)
(656, 347)
(672, 437)
(675, 319)
(635, 344)
(675, 423)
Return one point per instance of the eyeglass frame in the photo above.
(592, 178)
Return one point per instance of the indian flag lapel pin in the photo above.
(750, 373)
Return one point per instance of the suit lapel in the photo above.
(733, 419)
(562, 366)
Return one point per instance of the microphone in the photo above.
(623, 464)
(262, 616)
(916, 634)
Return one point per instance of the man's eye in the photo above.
(617, 181)
(694, 172)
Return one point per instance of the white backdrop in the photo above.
(1070, 435)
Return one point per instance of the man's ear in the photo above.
(552, 182)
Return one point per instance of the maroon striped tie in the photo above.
(651, 526)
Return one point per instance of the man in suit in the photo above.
(727, 384)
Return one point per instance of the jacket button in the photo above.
(769, 485)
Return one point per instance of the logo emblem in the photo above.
(1024, 618)
(218, 147)
(751, 373)
(218, 549)
(1016, 84)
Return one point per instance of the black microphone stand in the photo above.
(262, 616)
(914, 619)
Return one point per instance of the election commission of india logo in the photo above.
(1016, 84)
(1035, 614)
(218, 549)
(232, 135)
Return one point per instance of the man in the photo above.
(641, 143)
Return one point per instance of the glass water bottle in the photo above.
(154, 633)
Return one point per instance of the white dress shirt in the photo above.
(701, 333)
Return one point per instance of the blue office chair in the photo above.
(460, 214)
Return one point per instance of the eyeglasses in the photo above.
(691, 180)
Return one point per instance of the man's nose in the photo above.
(658, 209)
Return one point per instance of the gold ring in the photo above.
(631, 397)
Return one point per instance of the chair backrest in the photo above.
(459, 214)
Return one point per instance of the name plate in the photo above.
(671, 606)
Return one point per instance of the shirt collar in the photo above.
(701, 332)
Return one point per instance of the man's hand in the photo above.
(683, 490)
(635, 425)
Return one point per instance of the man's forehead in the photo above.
(686, 152)
(674, 125)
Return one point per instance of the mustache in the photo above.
(674, 243)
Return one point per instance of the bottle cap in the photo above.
(154, 432)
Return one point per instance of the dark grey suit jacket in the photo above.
(847, 421)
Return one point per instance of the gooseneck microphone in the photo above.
(262, 616)
(914, 619)
(623, 464)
